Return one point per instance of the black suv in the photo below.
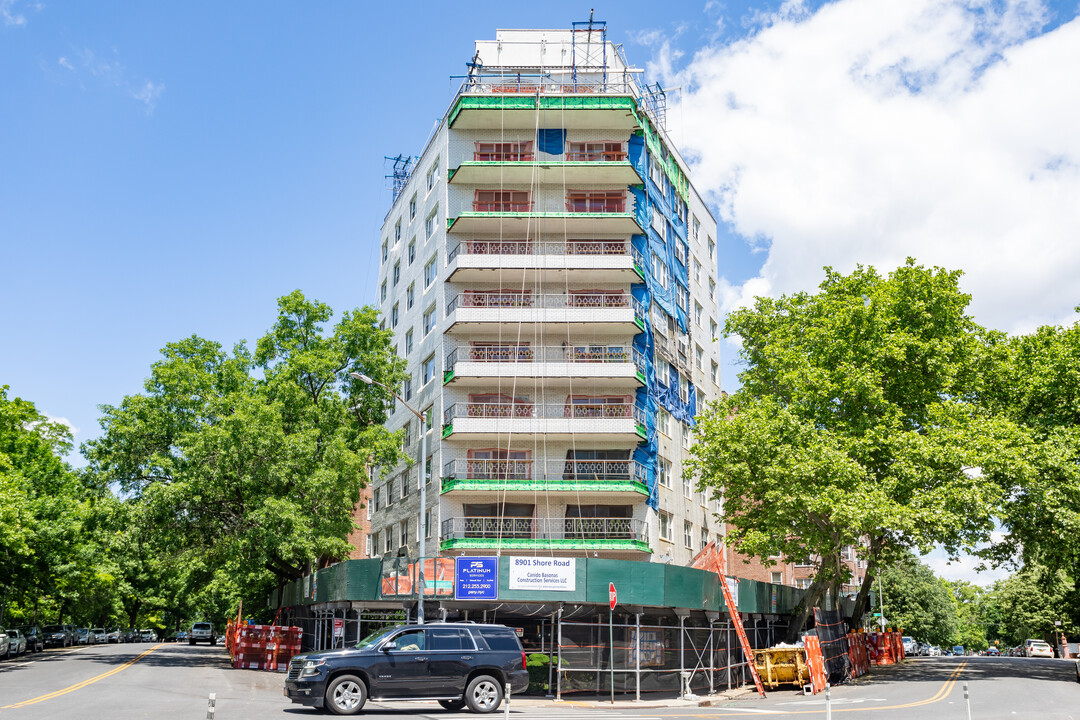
(457, 664)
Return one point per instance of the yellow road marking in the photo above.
(939, 695)
(84, 683)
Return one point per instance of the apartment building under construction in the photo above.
(549, 272)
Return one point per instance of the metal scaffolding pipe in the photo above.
(558, 677)
(637, 657)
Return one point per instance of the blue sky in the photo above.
(169, 169)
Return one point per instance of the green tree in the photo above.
(248, 465)
(1028, 603)
(1034, 381)
(853, 425)
(918, 601)
(42, 508)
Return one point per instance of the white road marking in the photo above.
(836, 701)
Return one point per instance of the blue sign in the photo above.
(476, 578)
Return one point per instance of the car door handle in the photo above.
(466, 657)
(420, 660)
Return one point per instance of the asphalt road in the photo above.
(124, 682)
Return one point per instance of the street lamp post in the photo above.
(423, 491)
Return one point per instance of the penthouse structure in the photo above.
(549, 272)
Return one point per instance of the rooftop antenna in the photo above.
(402, 168)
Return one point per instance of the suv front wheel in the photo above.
(484, 694)
(346, 695)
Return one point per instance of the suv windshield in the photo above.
(54, 628)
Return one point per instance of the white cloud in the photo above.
(867, 132)
(148, 94)
(12, 15)
(63, 421)
(65, 63)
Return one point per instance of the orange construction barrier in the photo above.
(264, 647)
(816, 660)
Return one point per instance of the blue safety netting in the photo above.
(551, 141)
(635, 153)
(646, 451)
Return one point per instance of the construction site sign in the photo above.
(543, 574)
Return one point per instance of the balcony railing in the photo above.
(526, 299)
(543, 85)
(548, 411)
(459, 528)
(534, 247)
(579, 353)
(596, 201)
(596, 152)
(485, 469)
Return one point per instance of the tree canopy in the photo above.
(854, 424)
(247, 466)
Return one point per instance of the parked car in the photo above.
(1039, 649)
(935, 651)
(112, 635)
(202, 632)
(99, 634)
(5, 644)
(958, 650)
(58, 636)
(909, 645)
(16, 643)
(84, 637)
(182, 636)
(394, 663)
(147, 635)
(993, 652)
(35, 639)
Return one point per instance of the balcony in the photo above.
(481, 260)
(621, 366)
(479, 311)
(592, 476)
(623, 421)
(513, 212)
(493, 102)
(513, 163)
(545, 533)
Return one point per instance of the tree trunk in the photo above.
(802, 611)
(862, 601)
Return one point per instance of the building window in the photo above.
(382, 292)
(433, 174)
(367, 544)
(394, 316)
(712, 328)
(385, 249)
(408, 341)
(664, 466)
(664, 421)
(687, 485)
(704, 537)
(410, 295)
(712, 249)
(700, 354)
(388, 538)
(697, 270)
(430, 271)
(685, 436)
(712, 289)
(429, 320)
(397, 232)
(715, 374)
(697, 313)
(406, 436)
(688, 534)
(595, 201)
(407, 389)
(665, 526)
(412, 250)
(429, 224)
(428, 370)
(427, 473)
(659, 271)
(519, 151)
(412, 207)
(404, 532)
(502, 201)
(397, 272)
(375, 498)
(697, 228)
(429, 417)
(778, 577)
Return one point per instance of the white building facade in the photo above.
(549, 273)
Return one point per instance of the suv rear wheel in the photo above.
(346, 695)
(484, 694)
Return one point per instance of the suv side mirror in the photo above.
(389, 646)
